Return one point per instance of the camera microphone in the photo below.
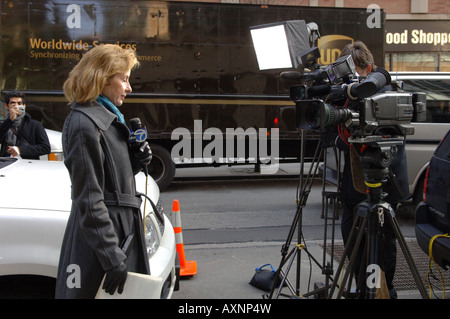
(324, 89)
(291, 75)
(318, 75)
(319, 90)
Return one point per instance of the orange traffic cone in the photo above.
(187, 268)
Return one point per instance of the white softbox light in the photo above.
(279, 45)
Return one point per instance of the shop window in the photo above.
(387, 62)
(425, 62)
(444, 63)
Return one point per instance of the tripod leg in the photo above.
(408, 256)
(344, 256)
(278, 284)
(296, 252)
(348, 271)
(353, 256)
(305, 185)
(328, 197)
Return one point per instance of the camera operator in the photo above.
(351, 194)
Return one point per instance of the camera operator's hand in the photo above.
(142, 152)
(115, 279)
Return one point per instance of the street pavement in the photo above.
(225, 269)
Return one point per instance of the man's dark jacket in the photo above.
(32, 139)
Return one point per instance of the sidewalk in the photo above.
(225, 270)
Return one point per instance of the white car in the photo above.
(34, 208)
(56, 150)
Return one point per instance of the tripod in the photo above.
(289, 257)
(371, 216)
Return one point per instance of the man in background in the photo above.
(20, 135)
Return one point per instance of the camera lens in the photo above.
(331, 116)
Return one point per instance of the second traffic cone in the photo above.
(187, 267)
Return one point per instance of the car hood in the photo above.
(45, 185)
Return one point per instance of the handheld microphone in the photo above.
(139, 135)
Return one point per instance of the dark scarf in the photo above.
(12, 137)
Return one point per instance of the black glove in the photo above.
(142, 152)
(115, 278)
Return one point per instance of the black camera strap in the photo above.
(19, 136)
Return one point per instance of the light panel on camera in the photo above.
(278, 45)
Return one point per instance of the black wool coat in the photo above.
(101, 169)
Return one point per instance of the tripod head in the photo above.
(376, 154)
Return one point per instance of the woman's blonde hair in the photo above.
(88, 78)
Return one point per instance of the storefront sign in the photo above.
(417, 36)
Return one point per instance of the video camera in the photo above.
(357, 105)
(364, 105)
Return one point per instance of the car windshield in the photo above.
(5, 161)
(435, 89)
(438, 97)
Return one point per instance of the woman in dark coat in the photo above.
(101, 163)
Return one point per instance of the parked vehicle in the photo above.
(433, 213)
(56, 150)
(427, 134)
(34, 210)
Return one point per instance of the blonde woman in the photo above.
(101, 163)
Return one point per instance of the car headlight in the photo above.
(153, 226)
(152, 234)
